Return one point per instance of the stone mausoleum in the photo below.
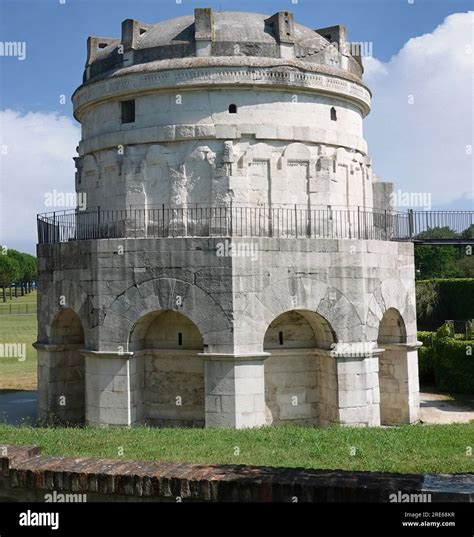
(234, 266)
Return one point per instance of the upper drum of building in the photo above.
(222, 38)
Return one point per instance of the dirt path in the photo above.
(441, 408)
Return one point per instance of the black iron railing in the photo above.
(230, 220)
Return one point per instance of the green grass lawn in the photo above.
(412, 449)
(15, 374)
(25, 298)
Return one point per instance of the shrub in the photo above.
(426, 357)
(445, 330)
(454, 365)
(446, 361)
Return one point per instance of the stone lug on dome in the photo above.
(95, 44)
(204, 31)
(334, 34)
(283, 26)
(337, 35)
(131, 32)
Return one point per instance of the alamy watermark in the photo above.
(352, 350)
(237, 249)
(364, 49)
(421, 200)
(13, 49)
(66, 199)
(55, 497)
(403, 497)
(13, 350)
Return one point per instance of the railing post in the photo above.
(98, 222)
(231, 222)
(385, 213)
(358, 220)
(54, 228)
(296, 221)
(163, 219)
(410, 223)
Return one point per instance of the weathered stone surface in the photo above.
(197, 315)
(25, 473)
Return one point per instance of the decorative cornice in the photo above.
(133, 83)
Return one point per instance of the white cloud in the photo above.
(39, 149)
(422, 146)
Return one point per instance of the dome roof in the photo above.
(220, 34)
(229, 26)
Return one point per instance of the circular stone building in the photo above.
(233, 266)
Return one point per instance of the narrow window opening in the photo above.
(128, 111)
(142, 31)
(280, 338)
(232, 109)
(180, 339)
(333, 114)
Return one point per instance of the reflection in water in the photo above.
(17, 407)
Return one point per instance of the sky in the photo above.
(419, 131)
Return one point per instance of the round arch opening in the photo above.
(300, 374)
(393, 372)
(67, 383)
(167, 344)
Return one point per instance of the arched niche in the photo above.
(167, 344)
(393, 372)
(67, 368)
(300, 374)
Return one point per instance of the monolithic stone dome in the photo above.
(221, 34)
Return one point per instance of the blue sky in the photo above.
(419, 49)
(56, 33)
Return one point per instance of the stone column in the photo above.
(235, 390)
(114, 388)
(61, 389)
(399, 385)
(358, 383)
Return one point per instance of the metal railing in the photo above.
(230, 220)
(18, 308)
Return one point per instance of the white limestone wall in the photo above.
(114, 389)
(265, 109)
(61, 382)
(173, 388)
(247, 171)
(293, 387)
(281, 147)
(232, 301)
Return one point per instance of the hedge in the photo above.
(454, 365)
(447, 361)
(426, 357)
(450, 299)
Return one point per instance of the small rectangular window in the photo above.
(180, 338)
(128, 111)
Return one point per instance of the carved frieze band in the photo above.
(181, 78)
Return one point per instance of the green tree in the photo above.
(31, 271)
(468, 233)
(437, 261)
(22, 262)
(9, 272)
